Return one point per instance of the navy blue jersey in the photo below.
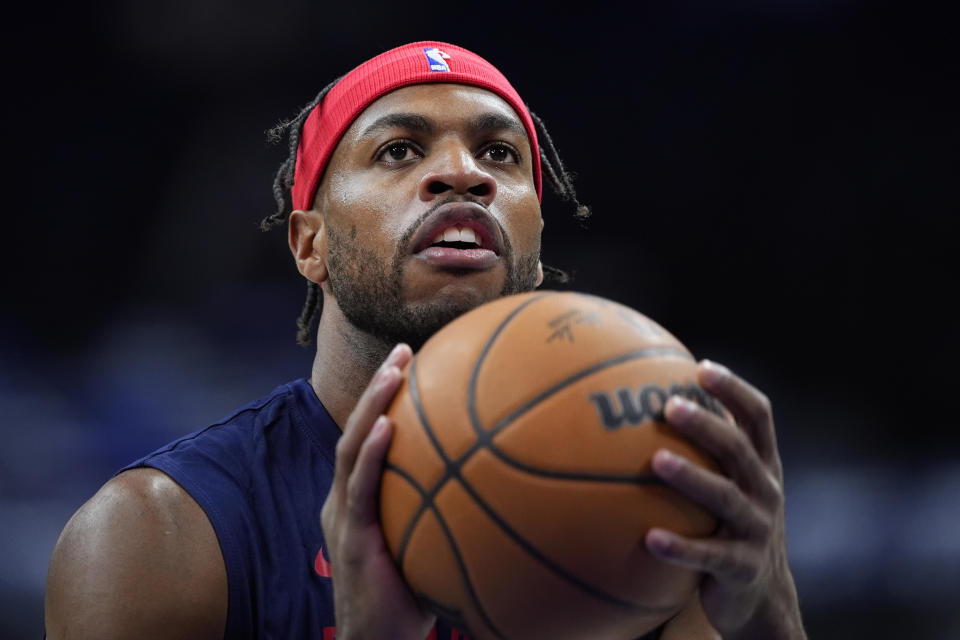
(261, 475)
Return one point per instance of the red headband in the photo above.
(415, 63)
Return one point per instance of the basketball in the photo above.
(518, 486)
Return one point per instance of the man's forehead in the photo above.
(438, 103)
(340, 105)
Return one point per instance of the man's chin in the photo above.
(423, 284)
(457, 297)
(417, 305)
(427, 318)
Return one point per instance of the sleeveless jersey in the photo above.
(261, 475)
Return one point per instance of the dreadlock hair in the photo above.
(556, 174)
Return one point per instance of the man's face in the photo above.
(421, 163)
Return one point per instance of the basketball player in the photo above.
(416, 182)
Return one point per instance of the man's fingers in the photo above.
(374, 401)
(749, 406)
(719, 495)
(727, 560)
(363, 485)
(728, 444)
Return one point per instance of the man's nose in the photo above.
(452, 170)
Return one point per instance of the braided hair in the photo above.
(559, 179)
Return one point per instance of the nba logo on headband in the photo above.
(436, 59)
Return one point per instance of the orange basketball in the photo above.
(518, 486)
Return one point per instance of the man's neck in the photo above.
(345, 362)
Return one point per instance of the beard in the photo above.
(370, 294)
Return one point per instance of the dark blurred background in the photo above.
(772, 181)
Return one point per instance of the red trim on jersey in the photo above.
(321, 566)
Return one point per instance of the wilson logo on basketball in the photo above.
(645, 404)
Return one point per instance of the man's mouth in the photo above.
(459, 235)
(458, 238)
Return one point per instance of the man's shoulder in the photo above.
(144, 499)
(194, 507)
(240, 469)
(126, 559)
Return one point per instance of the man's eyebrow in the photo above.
(485, 123)
(409, 121)
(491, 122)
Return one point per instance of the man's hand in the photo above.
(747, 590)
(370, 597)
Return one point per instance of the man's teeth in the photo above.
(458, 234)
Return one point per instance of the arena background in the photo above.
(772, 181)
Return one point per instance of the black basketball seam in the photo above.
(485, 439)
(453, 546)
(471, 387)
(489, 435)
(549, 564)
(415, 398)
(641, 479)
(579, 375)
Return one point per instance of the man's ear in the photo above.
(307, 237)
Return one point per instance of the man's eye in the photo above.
(398, 152)
(501, 153)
